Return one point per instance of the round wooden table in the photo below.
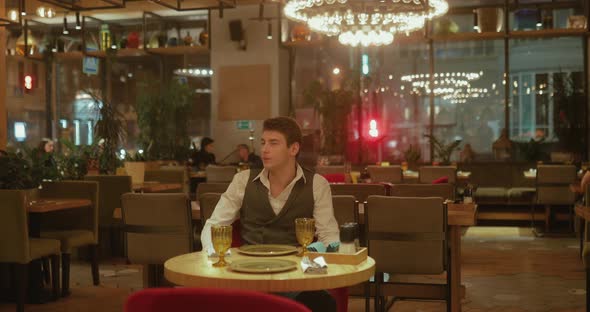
(196, 270)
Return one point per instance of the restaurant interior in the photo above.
(124, 122)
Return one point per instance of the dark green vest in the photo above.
(259, 223)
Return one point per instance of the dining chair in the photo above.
(208, 300)
(389, 174)
(157, 227)
(110, 190)
(208, 187)
(177, 175)
(345, 208)
(220, 173)
(360, 191)
(74, 228)
(427, 174)
(552, 185)
(406, 235)
(443, 190)
(18, 249)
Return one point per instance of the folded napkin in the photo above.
(212, 253)
(319, 247)
(317, 266)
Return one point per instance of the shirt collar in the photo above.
(263, 176)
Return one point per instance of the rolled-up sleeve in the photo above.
(326, 225)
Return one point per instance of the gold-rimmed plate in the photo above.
(262, 265)
(267, 250)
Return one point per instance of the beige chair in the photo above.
(359, 191)
(111, 188)
(177, 175)
(406, 235)
(208, 203)
(157, 227)
(18, 249)
(427, 174)
(330, 169)
(389, 174)
(74, 228)
(345, 208)
(553, 188)
(220, 173)
(203, 188)
(443, 190)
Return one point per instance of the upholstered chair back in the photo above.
(443, 190)
(111, 188)
(359, 191)
(220, 173)
(427, 174)
(14, 231)
(345, 208)
(390, 174)
(158, 226)
(407, 235)
(553, 184)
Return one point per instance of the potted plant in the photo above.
(109, 132)
(333, 106)
(442, 151)
(412, 156)
(163, 115)
(74, 161)
(568, 114)
(16, 174)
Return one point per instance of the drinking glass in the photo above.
(221, 238)
(305, 231)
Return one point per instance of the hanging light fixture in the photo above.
(65, 30)
(78, 24)
(269, 32)
(475, 22)
(445, 84)
(365, 22)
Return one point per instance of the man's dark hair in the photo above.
(286, 126)
(244, 146)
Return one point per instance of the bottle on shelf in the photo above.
(105, 37)
(188, 40)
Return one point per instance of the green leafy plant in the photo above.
(163, 112)
(532, 150)
(109, 132)
(412, 155)
(443, 152)
(334, 106)
(73, 161)
(16, 172)
(569, 112)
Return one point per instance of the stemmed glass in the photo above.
(305, 231)
(221, 238)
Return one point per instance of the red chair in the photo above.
(208, 299)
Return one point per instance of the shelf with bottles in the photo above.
(36, 40)
(175, 36)
(103, 39)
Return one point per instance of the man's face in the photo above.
(243, 153)
(209, 148)
(274, 149)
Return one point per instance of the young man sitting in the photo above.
(268, 201)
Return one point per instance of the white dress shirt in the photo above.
(228, 207)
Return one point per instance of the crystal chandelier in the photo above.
(445, 84)
(365, 22)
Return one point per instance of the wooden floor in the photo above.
(505, 269)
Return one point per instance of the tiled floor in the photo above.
(505, 269)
